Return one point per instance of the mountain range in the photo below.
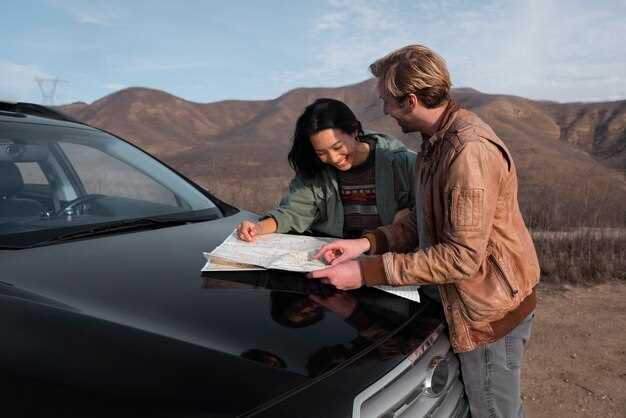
(571, 157)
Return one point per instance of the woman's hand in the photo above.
(342, 250)
(247, 231)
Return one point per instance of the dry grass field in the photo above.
(581, 256)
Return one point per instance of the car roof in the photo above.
(37, 114)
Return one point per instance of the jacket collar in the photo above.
(442, 126)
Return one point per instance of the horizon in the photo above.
(206, 53)
(319, 87)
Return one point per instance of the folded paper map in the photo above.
(281, 252)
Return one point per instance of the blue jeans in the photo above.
(492, 374)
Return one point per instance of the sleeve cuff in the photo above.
(378, 242)
(373, 270)
(273, 214)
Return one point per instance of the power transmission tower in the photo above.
(48, 88)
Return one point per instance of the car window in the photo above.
(114, 177)
(31, 173)
(56, 178)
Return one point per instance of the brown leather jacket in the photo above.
(481, 252)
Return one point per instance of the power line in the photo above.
(48, 88)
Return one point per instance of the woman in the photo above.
(346, 182)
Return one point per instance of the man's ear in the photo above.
(412, 101)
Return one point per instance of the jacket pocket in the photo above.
(490, 293)
(466, 207)
(502, 278)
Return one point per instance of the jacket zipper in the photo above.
(503, 276)
(450, 209)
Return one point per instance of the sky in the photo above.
(206, 51)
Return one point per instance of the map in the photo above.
(281, 252)
(274, 251)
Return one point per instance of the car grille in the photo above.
(403, 393)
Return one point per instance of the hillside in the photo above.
(238, 149)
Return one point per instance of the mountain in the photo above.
(571, 157)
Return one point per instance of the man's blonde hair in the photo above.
(414, 69)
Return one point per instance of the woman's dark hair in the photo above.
(294, 310)
(321, 114)
(264, 357)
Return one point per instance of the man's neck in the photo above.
(431, 119)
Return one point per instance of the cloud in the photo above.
(573, 56)
(91, 18)
(115, 86)
(17, 81)
(144, 65)
(349, 16)
(90, 13)
(330, 21)
(345, 39)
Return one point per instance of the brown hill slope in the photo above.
(238, 149)
(599, 128)
(161, 123)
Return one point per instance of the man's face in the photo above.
(397, 109)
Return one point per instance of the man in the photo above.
(466, 233)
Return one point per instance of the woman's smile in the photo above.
(343, 163)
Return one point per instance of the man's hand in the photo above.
(344, 276)
(247, 231)
(340, 303)
(343, 250)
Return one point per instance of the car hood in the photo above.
(151, 281)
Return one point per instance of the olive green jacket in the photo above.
(315, 204)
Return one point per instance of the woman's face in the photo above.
(335, 147)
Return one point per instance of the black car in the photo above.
(104, 309)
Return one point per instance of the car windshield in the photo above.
(59, 180)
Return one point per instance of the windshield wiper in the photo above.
(12, 247)
(19, 241)
(114, 227)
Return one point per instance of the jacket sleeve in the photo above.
(471, 192)
(400, 236)
(297, 210)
